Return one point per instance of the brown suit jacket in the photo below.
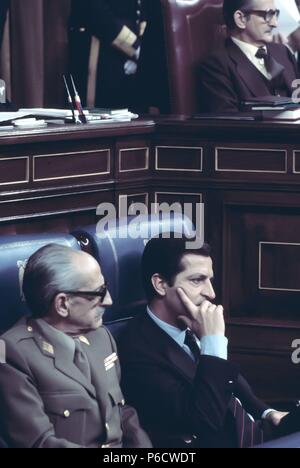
(228, 77)
(46, 402)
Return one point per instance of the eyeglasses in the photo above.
(267, 15)
(102, 292)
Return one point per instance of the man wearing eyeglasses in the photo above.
(59, 387)
(249, 64)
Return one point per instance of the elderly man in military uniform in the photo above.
(119, 25)
(59, 387)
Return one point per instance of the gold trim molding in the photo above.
(27, 172)
(260, 287)
(157, 168)
(147, 159)
(217, 149)
(75, 176)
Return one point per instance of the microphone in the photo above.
(78, 102)
(75, 117)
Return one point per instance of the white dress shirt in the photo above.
(250, 51)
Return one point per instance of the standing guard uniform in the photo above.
(46, 401)
(120, 26)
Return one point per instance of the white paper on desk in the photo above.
(44, 112)
(50, 113)
(9, 116)
(289, 19)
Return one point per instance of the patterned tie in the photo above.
(81, 360)
(272, 66)
(191, 342)
(250, 433)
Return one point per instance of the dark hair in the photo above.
(230, 7)
(49, 270)
(164, 256)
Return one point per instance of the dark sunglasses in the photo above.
(267, 15)
(102, 292)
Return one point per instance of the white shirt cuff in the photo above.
(214, 345)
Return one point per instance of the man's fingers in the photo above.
(190, 306)
(220, 310)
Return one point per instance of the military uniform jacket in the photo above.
(47, 402)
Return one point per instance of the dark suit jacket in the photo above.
(176, 399)
(46, 402)
(228, 77)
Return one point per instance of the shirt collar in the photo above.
(176, 333)
(56, 336)
(249, 50)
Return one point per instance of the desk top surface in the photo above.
(170, 124)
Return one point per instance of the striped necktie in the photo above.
(249, 432)
(191, 342)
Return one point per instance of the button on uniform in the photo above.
(30, 329)
(67, 414)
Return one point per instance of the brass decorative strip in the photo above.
(262, 288)
(129, 195)
(147, 153)
(157, 168)
(217, 169)
(178, 193)
(75, 176)
(294, 162)
(27, 173)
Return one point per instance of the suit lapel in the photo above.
(249, 74)
(288, 79)
(63, 358)
(169, 350)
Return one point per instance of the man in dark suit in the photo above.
(174, 359)
(248, 64)
(59, 387)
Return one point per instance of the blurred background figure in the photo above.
(4, 4)
(288, 32)
(116, 52)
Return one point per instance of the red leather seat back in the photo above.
(192, 29)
